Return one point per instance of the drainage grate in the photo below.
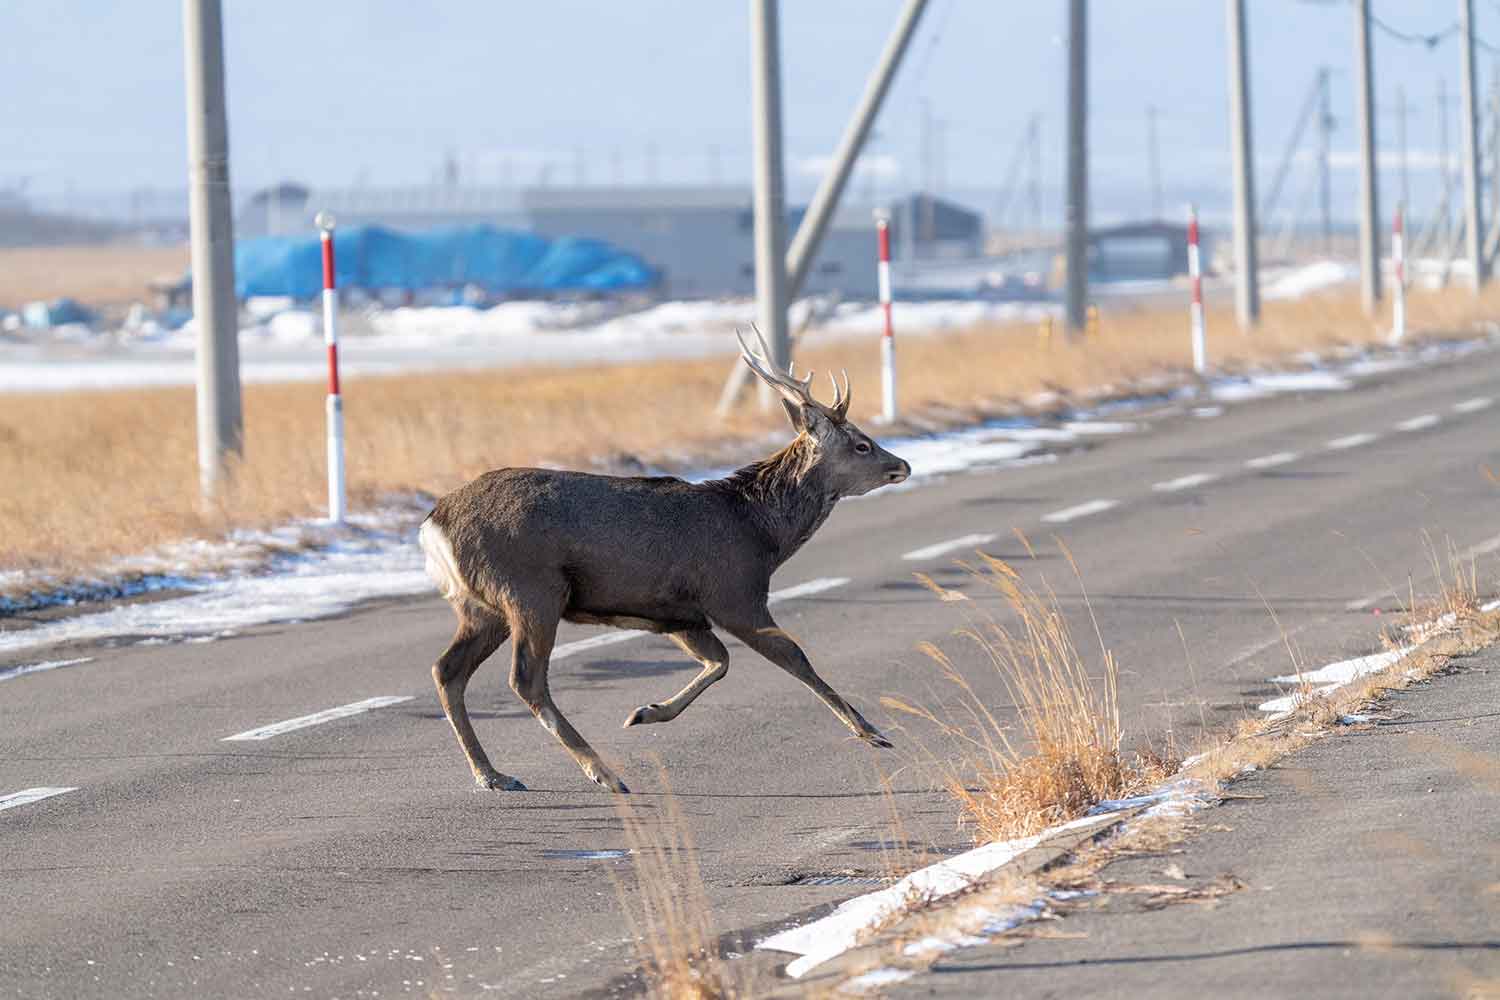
(840, 880)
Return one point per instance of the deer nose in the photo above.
(899, 473)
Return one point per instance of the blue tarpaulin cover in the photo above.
(501, 261)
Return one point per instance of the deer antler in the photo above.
(792, 389)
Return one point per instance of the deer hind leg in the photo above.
(702, 645)
(532, 648)
(480, 633)
(770, 641)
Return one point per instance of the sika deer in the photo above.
(517, 550)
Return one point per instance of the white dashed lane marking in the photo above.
(317, 718)
(940, 548)
(1185, 482)
(29, 795)
(1352, 441)
(1270, 461)
(1473, 405)
(817, 586)
(1082, 510)
(1421, 423)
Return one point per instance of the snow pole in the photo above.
(1195, 271)
(888, 338)
(1398, 262)
(335, 405)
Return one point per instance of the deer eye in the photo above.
(862, 448)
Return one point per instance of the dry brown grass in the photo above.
(94, 275)
(87, 476)
(1062, 755)
(667, 908)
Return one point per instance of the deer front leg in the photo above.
(763, 636)
(528, 678)
(702, 645)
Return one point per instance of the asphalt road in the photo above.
(355, 856)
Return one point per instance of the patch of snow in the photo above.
(1331, 678)
(9, 673)
(1295, 283)
(1100, 427)
(299, 586)
(875, 979)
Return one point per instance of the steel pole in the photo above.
(1474, 237)
(820, 210)
(770, 198)
(1247, 278)
(1077, 234)
(1369, 201)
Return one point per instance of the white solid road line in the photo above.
(1082, 510)
(29, 795)
(318, 718)
(1185, 482)
(817, 586)
(1352, 441)
(36, 668)
(1473, 405)
(1269, 461)
(932, 551)
(1421, 423)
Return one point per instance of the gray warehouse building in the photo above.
(700, 238)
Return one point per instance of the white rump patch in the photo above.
(441, 565)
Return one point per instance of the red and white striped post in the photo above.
(1195, 271)
(888, 338)
(1398, 262)
(335, 406)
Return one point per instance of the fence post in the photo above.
(888, 338)
(335, 406)
(1195, 270)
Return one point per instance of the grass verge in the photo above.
(1062, 755)
(87, 477)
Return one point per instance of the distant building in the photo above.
(1141, 250)
(702, 238)
(926, 227)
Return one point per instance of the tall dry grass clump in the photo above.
(666, 906)
(1061, 755)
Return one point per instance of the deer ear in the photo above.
(795, 414)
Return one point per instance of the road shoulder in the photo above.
(1364, 864)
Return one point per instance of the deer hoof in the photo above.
(643, 715)
(875, 739)
(608, 781)
(495, 781)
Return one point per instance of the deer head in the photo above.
(849, 459)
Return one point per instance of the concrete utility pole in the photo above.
(1247, 278)
(220, 425)
(825, 200)
(1154, 152)
(1325, 131)
(1474, 238)
(1077, 235)
(1369, 201)
(770, 199)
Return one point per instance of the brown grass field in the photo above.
(94, 275)
(86, 476)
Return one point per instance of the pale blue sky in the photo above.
(335, 91)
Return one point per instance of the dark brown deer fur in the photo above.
(518, 550)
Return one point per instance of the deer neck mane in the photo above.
(787, 494)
